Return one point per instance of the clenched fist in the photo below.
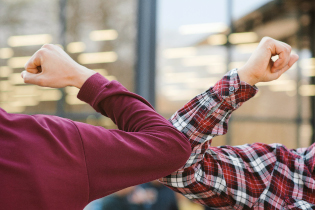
(260, 67)
(53, 67)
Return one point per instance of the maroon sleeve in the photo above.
(146, 148)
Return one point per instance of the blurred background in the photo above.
(167, 51)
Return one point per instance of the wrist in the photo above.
(245, 76)
(83, 74)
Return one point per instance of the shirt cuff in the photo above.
(91, 88)
(234, 91)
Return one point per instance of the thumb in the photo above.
(293, 58)
(30, 78)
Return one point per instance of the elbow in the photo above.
(185, 154)
(173, 150)
(183, 150)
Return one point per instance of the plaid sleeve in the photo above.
(207, 115)
(251, 176)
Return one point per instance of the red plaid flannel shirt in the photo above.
(251, 176)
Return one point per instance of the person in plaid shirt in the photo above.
(251, 176)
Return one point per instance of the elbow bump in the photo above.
(179, 160)
(178, 147)
(183, 150)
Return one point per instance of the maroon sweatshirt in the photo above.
(48, 162)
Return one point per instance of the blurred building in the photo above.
(105, 36)
(291, 22)
(282, 110)
(98, 34)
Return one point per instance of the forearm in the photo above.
(129, 111)
(226, 174)
(231, 176)
(207, 115)
(147, 146)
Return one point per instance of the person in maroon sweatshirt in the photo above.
(48, 162)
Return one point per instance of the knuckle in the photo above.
(287, 49)
(47, 46)
(266, 39)
(26, 80)
(26, 65)
(42, 52)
